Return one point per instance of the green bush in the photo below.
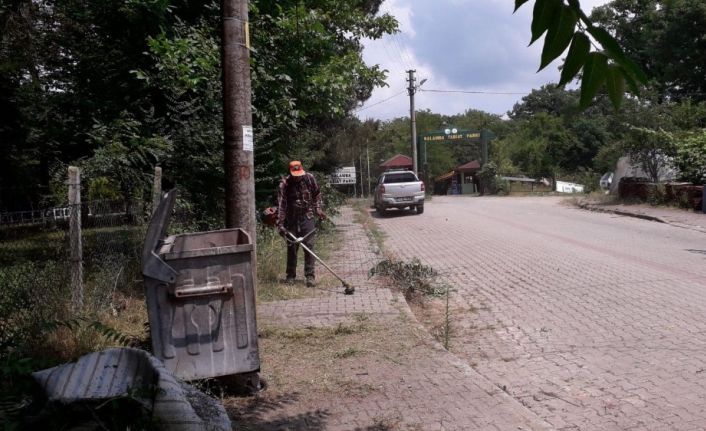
(657, 195)
(691, 157)
(502, 186)
(489, 179)
(589, 179)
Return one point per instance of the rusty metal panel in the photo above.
(122, 372)
(202, 319)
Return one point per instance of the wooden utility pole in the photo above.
(75, 240)
(411, 90)
(237, 117)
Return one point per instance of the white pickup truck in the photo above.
(399, 189)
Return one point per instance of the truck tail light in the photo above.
(382, 189)
(423, 188)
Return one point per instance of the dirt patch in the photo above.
(315, 373)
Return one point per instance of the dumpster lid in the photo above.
(152, 265)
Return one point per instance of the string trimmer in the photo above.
(348, 289)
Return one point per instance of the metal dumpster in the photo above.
(200, 299)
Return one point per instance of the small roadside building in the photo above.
(398, 161)
(462, 180)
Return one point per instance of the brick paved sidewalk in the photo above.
(411, 382)
(673, 216)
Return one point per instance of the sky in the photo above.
(467, 45)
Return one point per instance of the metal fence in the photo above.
(66, 261)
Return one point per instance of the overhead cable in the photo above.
(380, 102)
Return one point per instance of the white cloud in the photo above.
(471, 45)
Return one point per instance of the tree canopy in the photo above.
(137, 83)
(665, 38)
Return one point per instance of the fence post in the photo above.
(75, 245)
(156, 188)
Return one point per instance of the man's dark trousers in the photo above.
(301, 227)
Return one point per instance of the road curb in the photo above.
(598, 208)
(531, 418)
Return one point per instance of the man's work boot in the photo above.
(310, 281)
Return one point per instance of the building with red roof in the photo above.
(400, 161)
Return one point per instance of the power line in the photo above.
(403, 53)
(380, 102)
(388, 46)
(501, 93)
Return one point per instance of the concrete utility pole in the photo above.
(156, 188)
(411, 90)
(237, 117)
(367, 155)
(362, 177)
(355, 184)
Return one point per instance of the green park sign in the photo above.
(451, 135)
(455, 135)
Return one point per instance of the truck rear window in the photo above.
(407, 177)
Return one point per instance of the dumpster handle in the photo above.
(213, 289)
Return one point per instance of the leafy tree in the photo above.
(691, 156)
(70, 69)
(549, 99)
(542, 146)
(68, 66)
(651, 149)
(308, 74)
(665, 38)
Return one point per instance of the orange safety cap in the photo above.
(296, 169)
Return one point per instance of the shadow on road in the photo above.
(392, 213)
(250, 414)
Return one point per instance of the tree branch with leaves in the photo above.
(606, 65)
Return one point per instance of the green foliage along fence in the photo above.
(35, 266)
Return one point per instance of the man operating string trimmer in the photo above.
(298, 202)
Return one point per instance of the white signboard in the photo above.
(343, 176)
(247, 138)
(564, 187)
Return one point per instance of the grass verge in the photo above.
(315, 371)
(272, 263)
(363, 217)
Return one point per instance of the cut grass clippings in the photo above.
(308, 368)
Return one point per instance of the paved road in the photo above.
(591, 320)
(397, 378)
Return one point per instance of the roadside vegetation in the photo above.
(427, 296)
(272, 262)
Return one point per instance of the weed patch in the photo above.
(415, 279)
(347, 353)
(310, 333)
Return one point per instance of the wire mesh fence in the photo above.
(45, 271)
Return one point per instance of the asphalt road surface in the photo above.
(592, 321)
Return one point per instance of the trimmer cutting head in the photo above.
(348, 289)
